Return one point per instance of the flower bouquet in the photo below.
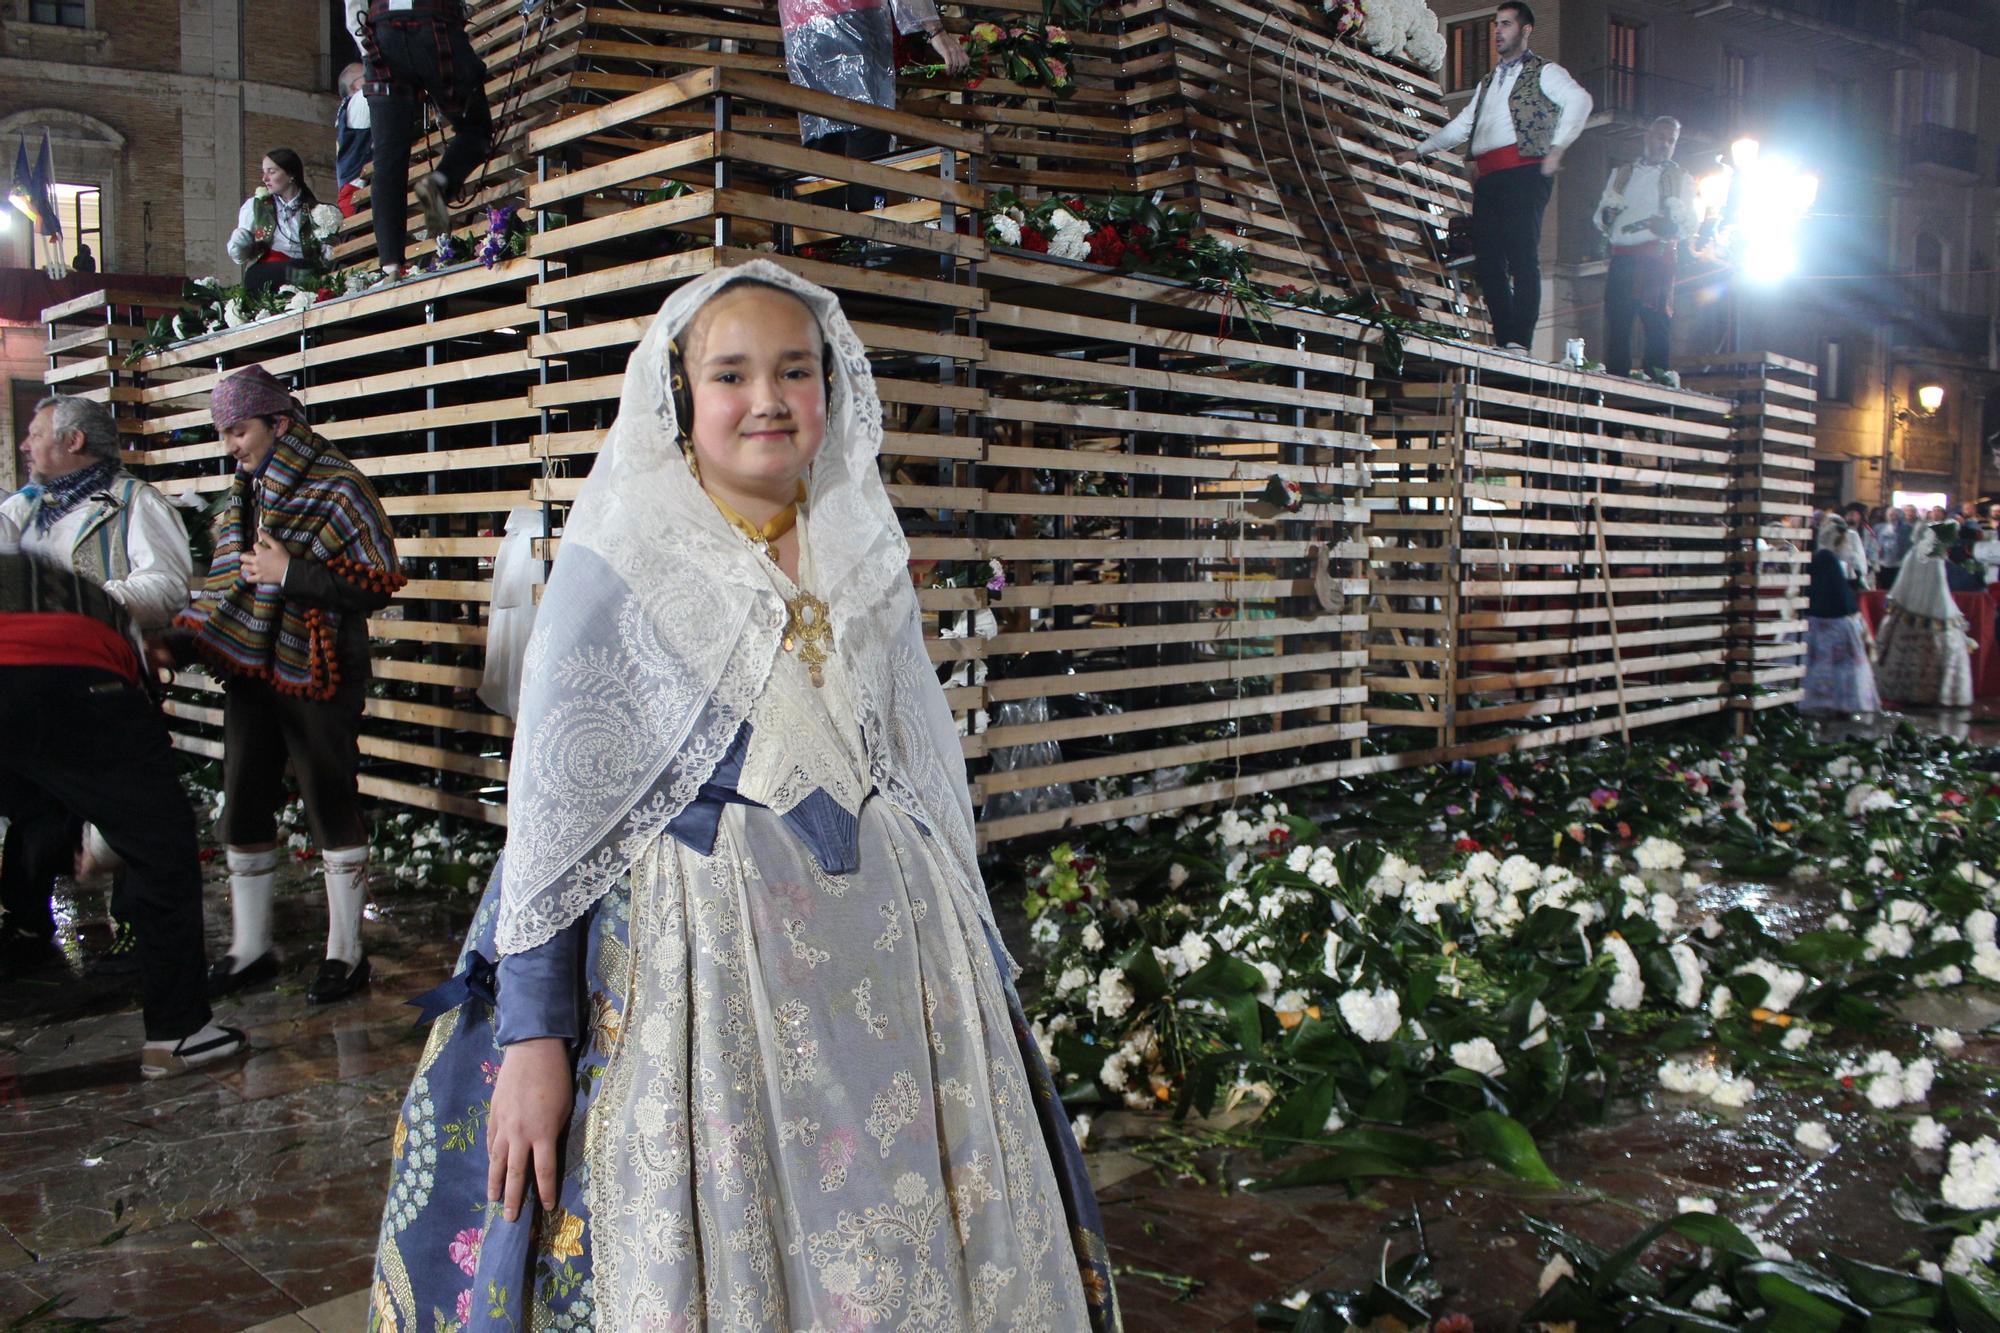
(1030, 55)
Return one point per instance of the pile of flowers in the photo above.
(1516, 942)
(506, 237)
(1029, 55)
(1393, 29)
(1129, 232)
(209, 306)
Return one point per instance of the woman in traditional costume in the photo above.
(751, 1041)
(1838, 678)
(1923, 650)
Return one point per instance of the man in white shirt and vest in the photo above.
(92, 558)
(81, 512)
(1517, 125)
(1647, 207)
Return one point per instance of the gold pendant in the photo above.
(809, 633)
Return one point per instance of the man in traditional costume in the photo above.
(81, 727)
(81, 512)
(1522, 118)
(759, 1059)
(418, 49)
(303, 554)
(1838, 678)
(847, 48)
(1922, 650)
(353, 137)
(1646, 208)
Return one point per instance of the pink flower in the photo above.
(1602, 797)
(1058, 72)
(465, 1306)
(490, 1070)
(464, 1251)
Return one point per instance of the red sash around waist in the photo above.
(1502, 159)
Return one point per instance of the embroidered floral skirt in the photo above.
(1923, 661)
(1838, 678)
(805, 1102)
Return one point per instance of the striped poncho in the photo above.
(320, 507)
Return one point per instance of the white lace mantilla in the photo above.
(659, 630)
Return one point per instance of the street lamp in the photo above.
(1929, 398)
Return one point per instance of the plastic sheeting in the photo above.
(846, 47)
(1007, 758)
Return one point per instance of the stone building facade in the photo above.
(1893, 104)
(164, 108)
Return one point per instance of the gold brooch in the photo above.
(809, 633)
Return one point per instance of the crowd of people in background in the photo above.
(1922, 559)
(96, 568)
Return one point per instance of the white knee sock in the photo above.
(346, 894)
(253, 878)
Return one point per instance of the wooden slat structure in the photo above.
(1552, 550)
(1776, 405)
(87, 341)
(1549, 549)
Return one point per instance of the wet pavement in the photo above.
(249, 1197)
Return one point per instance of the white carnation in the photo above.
(1813, 1136)
(1479, 1055)
(1628, 988)
(1783, 984)
(1372, 1015)
(1688, 964)
(1659, 854)
(1111, 996)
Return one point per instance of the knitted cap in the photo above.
(250, 392)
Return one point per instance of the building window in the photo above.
(1836, 375)
(79, 208)
(1468, 54)
(1739, 85)
(1939, 92)
(1927, 271)
(64, 13)
(1622, 68)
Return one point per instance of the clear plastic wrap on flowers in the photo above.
(1008, 758)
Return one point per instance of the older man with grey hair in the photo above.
(1646, 210)
(82, 513)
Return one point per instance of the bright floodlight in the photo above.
(1930, 397)
(1752, 207)
(1768, 259)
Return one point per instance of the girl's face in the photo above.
(754, 359)
(276, 179)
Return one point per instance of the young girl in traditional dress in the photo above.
(1838, 678)
(750, 1041)
(1923, 652)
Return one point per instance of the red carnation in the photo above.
(1466, 845)
(1034, 240)
(1105, 247)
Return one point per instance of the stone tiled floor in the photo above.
(249, 1197)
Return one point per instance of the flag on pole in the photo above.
(30, 193)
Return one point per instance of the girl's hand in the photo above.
(532, 1100)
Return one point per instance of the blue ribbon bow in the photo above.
(476, 982)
